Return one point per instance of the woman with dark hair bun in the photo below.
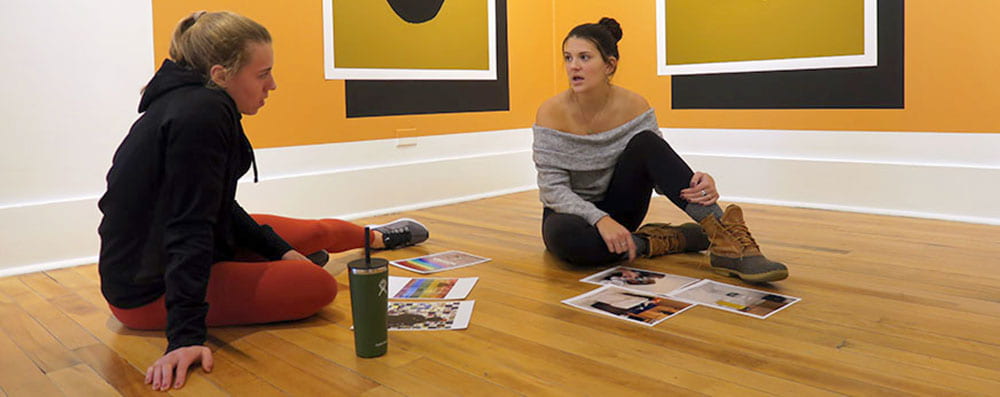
(599, 156)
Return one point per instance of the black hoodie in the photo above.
(170, 209)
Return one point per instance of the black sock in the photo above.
(641, 246)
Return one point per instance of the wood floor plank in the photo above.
(409, 375)
(252, 352)
(336, 344)
(239, 382)
(39, 387)
(340, 334)
(36, 342)
(347, 381)
(690, 362)
(799, 346)
(71, 279)
(890, 306)
(135, 347)
(456, 382)
(891, 315)
(80, 380)
(43, 285)
(382, 391)
(511, 364)
(122, 376)
(906, 348)
(64, 329)
(20, 375)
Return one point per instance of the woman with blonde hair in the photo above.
(177, 251)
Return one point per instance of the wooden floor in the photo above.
(890, 306)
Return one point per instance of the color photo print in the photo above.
(429, 316)
(631, 305)
(430, 288)
(639, 279)
(439, 262)
(746, 301)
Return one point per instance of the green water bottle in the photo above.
(369, 279)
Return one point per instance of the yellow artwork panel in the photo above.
(369, 34)
(703, 31)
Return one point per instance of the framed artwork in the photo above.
(410, 40)
(702, 37)
(821, 86)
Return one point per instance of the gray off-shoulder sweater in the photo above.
(574, 171)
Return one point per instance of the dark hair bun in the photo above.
(612, 26)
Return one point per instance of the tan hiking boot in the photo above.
(666, 239)
(735, 253)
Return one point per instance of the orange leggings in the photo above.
(263, 292)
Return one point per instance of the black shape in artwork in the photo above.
(375, 98)
(416, 11)
(878, 87)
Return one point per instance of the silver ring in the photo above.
(703, 194)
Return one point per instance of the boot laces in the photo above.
(742, 234)
(671, 241)
(662, 235)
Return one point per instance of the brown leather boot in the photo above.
(735, 253)
(666, 239)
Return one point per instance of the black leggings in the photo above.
(647, 161)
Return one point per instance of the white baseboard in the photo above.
(951, 176)
(962, 194)
(346, 181)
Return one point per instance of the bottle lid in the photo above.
(372, 263)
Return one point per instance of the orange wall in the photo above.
(307, 109)
(950, 58)
(951, 55)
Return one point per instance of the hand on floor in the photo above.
(171, 369)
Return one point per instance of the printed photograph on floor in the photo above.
(635, 306)
(439, 262)
(430, 288)
(429, 316)
(640, 279)
(750, 302)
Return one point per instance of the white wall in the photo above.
(73, 70)
(72, 74)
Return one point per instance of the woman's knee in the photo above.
(573, 240)
(293, 289)
(647, 141)
(149, 317)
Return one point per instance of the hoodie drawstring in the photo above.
(253, 162)
(253, 158)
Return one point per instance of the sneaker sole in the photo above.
(774, 275)
(402, 219)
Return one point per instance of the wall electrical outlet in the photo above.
(403, 142)
(405, 137)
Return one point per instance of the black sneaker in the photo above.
(402, 232)
(320, 258)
